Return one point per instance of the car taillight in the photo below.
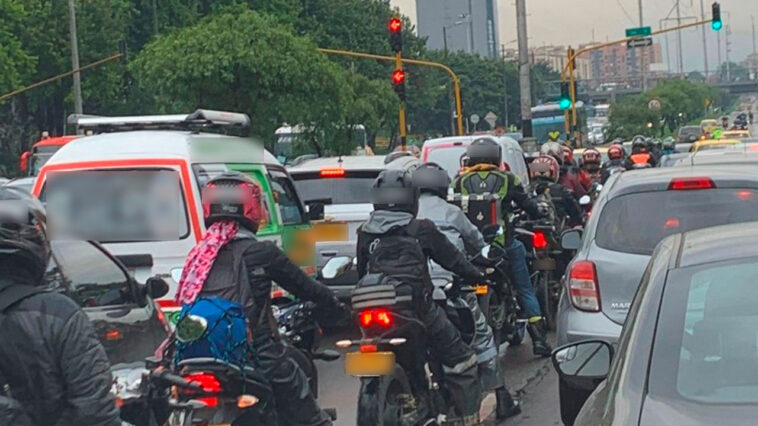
(380, 317)
(691, 183)
(583, 288)
(539, 241)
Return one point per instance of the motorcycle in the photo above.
(241, 395)
(402, 382)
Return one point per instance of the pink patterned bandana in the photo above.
(200, 260)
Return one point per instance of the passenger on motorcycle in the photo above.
(616, 162)
(396, 203)
(433, 183)
(53, 369)
(590, 171)
(230, 263)
(544, 171)
(640, 157)
(483, 176)
(568, 177)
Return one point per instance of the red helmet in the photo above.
(233, 196)
(615, 152)
(544, 166)
(591, 156)
(567, 154)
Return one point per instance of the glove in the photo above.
(334, 314)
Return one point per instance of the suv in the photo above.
(337, 195)
(687, 136)
(634, 211)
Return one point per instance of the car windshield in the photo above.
(635, 223)
(705, 348)
(353, 188)
(88, 275)
(135, 205)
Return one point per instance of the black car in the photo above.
(688, 353)
(126, 320)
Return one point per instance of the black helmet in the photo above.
(432, 178)
(484, 151)
(23, 232)
(393, 190)
(233, 196)
(639, 144)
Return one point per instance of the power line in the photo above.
(628, 16)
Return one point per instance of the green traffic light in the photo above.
(564, 103)
(717, 25)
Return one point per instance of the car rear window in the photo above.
(635, 223)
(353, 188)
(705, 348)
(689, 131)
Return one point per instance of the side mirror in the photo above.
(490, 232)
(315, 211)
(492, 252)
(23, 163)
(585, 200)
(335, 267)
(571, 239)
(587, 360)
(156, 287)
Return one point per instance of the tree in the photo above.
(243, 61)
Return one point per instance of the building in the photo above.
(556, 57)
(459, 25)
(613, 66)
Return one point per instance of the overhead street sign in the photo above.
(638, 32)
(639, 42)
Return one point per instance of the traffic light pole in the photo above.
(568, 71)
(401, 108)
(453, 76)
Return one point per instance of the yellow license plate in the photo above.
(369, 363)
(326, 231)
(481, 289)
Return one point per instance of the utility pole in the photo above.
(505, 84)
(754, 62)
(728, 64)
(642, 51)
(705, 40)
(470, 27)
(679, 40)
(524, 74)
(75, 57)
(155, 17)
(718, 50)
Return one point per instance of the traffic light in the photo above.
(716, 23)
(398, 83)
(565, 101)
(396, 34)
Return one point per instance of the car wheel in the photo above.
(572, 400)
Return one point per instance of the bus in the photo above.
(293, 142)
(549, 117)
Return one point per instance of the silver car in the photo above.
(687, 355)
(634, 211)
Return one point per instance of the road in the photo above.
(523, 372)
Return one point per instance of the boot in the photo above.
(538, 333)
(506, 405)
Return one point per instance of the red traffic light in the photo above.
(398, 76)
(396, 25)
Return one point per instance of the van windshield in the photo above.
(134, 205)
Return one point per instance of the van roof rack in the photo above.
(200, 120)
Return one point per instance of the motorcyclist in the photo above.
(229, 262)
(725, 123)
(568, 178)
(433, 183)
(393, 220)
(51, 362)
(669, 146)
(640, 157)
(483, 176)
(544, 171)
(616, 161)
(591, 159)
(554, 136)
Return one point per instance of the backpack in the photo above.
(225, 337)
(11, 410)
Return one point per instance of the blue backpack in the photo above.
(225, 337)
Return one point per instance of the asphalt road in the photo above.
(523, 371)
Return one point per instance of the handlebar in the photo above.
(170, 379)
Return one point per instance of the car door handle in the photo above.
(328, 253)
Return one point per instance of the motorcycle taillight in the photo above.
(210, 384)
(379, 317)
(539, 241)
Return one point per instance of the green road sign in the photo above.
(638, 32)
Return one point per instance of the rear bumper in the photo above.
(574, 325)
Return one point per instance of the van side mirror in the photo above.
(156, 287)
(571, 239)
(23, 163)
(335, 267)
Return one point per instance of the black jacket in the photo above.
(53, 362)
(263, 263)
(609, 165)
(563, 200)
(434, 244)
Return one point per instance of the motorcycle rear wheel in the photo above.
(548, 304)
(379, 401)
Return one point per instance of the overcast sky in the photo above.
(563, 22)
